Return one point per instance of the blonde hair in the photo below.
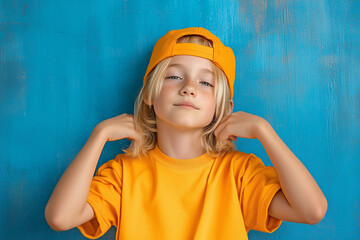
(145, 118)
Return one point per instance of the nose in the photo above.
(188, 89)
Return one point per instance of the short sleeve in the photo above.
(105, 199)
(257, 185)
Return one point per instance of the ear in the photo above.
(147, 102)
(232, 105)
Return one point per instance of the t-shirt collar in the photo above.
(180, 164)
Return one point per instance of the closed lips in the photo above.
(186, 104)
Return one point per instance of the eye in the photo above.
(206, 84)
(174, 77)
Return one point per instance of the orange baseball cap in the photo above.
(222, 56)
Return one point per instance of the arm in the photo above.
(300, 198)
(67, 206)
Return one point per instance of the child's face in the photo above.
(192, 82)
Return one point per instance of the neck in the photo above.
(179, 143)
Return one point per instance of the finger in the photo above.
(223, 133)
(233, 138)
(222, 125)
(134, 135)
(134, 132)
(226, 117)
(220, 131)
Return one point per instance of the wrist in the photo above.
(100, 132)
(261, 129)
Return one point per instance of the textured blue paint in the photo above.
(67, 65)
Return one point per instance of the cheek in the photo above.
(164, 96)
(210, 106)
(210, 99)
(162, 92)
(213, 109)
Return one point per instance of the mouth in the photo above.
(186, 105)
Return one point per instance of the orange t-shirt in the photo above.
(159, 197)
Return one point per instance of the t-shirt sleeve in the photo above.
(104, 198)
(257, 184)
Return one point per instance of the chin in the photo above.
(190, 125)
(184, 122)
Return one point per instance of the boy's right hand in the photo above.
(119, 127)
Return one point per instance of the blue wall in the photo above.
(67, 65)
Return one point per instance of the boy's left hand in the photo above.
(238, 124)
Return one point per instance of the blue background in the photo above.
(67, 65)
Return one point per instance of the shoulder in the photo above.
(114, 165)
(242, 161)
(238, 157)
(122, 161)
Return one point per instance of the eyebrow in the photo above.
(182, 66)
